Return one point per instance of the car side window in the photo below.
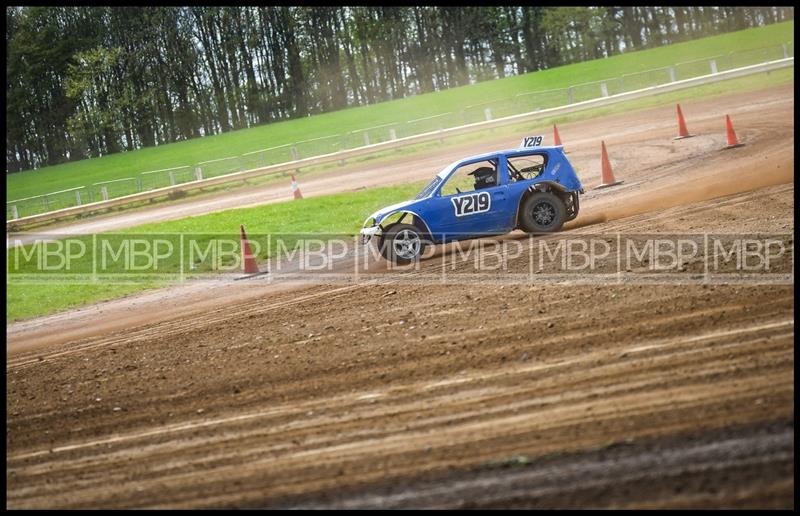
(521, 168)
(469, 178)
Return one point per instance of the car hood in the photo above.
(383, 212)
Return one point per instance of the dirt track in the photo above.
(679, 471)
(324, 395)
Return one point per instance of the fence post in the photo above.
(570, 96)
(714, 66)
(198, 173)
(392, 134)
(785, 51)
(294, 153)
(139, 184)
(671, 70)
(104, 192)
(487, 113)
(78, 196)
(366, 138)
(14, 212)
(46, 204)
(604, 89)
(171, 178)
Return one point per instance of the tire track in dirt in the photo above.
(612, 375)
(569, 365)
(209, 318)
(585, 479)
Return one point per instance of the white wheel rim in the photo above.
(406, 244)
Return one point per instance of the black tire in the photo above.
(542, 212)
(402, 243)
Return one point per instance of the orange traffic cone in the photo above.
(296, 189)
(733, 142)
(608, 174)
(682, 131)
(249, 261)
(556, 137)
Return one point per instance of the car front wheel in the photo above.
(402, 243)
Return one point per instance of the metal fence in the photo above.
(165, 177)
(522, 103)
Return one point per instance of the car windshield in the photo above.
(430, 188)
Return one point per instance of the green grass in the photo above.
(339, 214)
(130, 164)
(335, 213)
(26, 301)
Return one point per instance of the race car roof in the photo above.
(518, 150)
(478, 157)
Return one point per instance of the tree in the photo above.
(89, 81)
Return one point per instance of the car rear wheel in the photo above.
(402, 243)
(542, 212)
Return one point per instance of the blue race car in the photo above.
(532, 188)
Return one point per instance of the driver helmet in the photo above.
(485, 177)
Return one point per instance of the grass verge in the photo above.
(332, 214)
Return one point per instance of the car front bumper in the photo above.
(368, 233)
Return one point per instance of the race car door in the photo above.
(471, 202)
